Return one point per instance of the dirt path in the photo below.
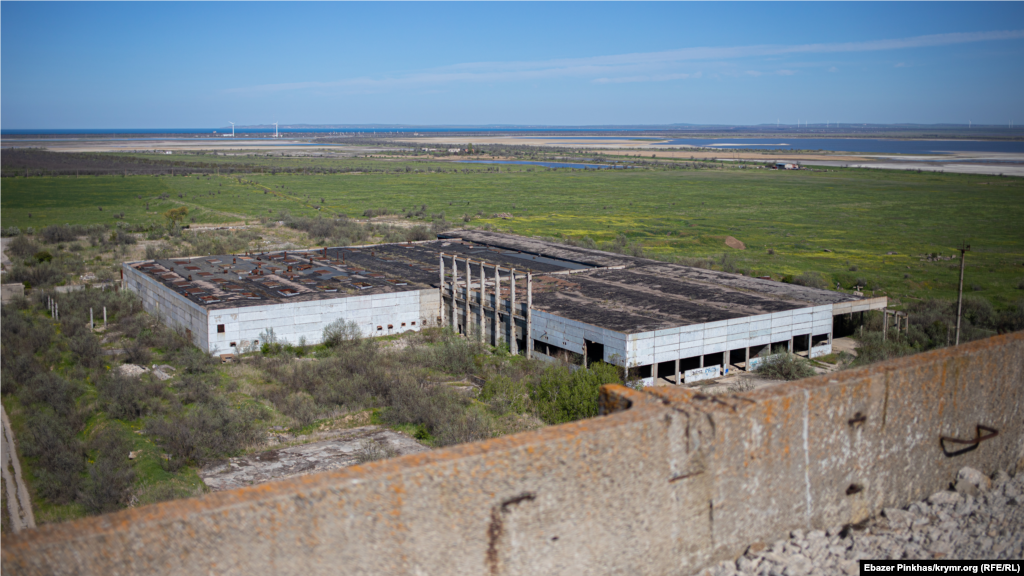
(18, 502)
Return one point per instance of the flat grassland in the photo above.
(838, 224)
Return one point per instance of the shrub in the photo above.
(59, 456)
(22, 247)
(193, 388)
(54, 234)
(562, 396)
(341, 332)
(136, 353)
(505, 395)
(809, 279)
(50, 389)
(45, 274)
(417, 234)
(207, 430)
(785, 366)
(87, 349)
(108, 484)
(125, 397)
(454, 355)
(301, 407)
(371, 450)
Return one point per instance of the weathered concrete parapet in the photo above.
(666, 482)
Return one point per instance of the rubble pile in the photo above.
(983, 518)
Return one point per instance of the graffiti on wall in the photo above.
(822, 350)
(705, 373)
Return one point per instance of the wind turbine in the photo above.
(232, 129)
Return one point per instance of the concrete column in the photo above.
(790, 344)
(440, 288)
(483, 294)
(469, 283)
(746, 359)
(529, 315)
(91, 325)
(104, 317)
(677, 372)
(885, 323)
(512, 347)
(497, 305)
(701, 360)
(455, 307)
(725, 367)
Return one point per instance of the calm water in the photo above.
(878, 146)
(107, 131)
(547, 164)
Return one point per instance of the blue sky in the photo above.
(194, 64)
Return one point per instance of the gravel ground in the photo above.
(983, 518)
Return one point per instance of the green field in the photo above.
(859, 215)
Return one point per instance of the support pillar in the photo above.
(746, 359)
(497, 305)
(104, 317)
(469, 285)
(91, 325)
(441, 290)
(529, 315)
(455, 307)
(725, 368)
(677, 371)
(790, 344)
(701, 360)
(512, 346)
(483, 294)
(885, 323)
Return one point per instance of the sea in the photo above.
(871, 145)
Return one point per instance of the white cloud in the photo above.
(652, 78)
(833, 69)
(633, 67)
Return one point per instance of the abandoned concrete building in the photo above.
(544, 299)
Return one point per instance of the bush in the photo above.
(785, 366)
(60, 459)
(126, 397)
(562, 396)
(504, 395)
(208, 430)
(108, 484)
(454, 355)
(22, 247)
(418, 233)
(301, 407)
(341, 332)
(54, 234)
(49, 389)
(193, 388)
(45, 274)
(810, 280)
(136, 353)
(371, 450)
(87, 349)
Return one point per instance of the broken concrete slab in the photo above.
(283, 463)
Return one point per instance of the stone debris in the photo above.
(161, 372)
(130, 370)
(982, 520)
(304, 459)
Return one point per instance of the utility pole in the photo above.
(964, 249)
